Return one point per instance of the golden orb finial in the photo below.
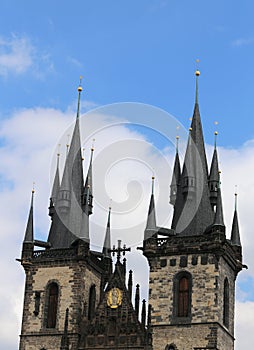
(197, 73)
(80, 82)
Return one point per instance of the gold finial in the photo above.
(236, 194)
(33, 190)
(215, 134)
(197, 73)
(110, 204)
(80, 82)
(177, 142)
(92, 148)
(190, 129)
(153, 177)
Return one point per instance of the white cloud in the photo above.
(124, 159)
(243, 42)
(244, 325)
(18, 55)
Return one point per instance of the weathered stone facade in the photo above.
(74, 276)
(209, 260)
(75, 301)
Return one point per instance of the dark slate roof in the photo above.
(151, 217)
(107, 241)
(235, 233)
(193, 213)
(214, 171)
(218, 218)
(56, 183)
(69, 224)
(29, 233)
(175, 178)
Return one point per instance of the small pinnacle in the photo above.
(80, 81)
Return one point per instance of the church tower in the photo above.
(74, 299)
(193, 266)
(77, 299)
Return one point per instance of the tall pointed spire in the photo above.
(89, 182)
(69, 201)
(29, 233)
(235, 233)
(218, 219)
(151, 218)
(137, 300)
(84, 232)
(214, 174)
(192, 211)
(107, 241)
(176, 176)
(56, 183)
(197, 75)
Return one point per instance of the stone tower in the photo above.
(193, 266)
(73, 298)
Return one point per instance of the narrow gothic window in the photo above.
(226, 304)
(52, 305)
(183, 297)
(92, 300)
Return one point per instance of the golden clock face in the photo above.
(114, 298)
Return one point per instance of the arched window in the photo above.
(52, 305)
(182, 296)
(92, 301)
(226, 303)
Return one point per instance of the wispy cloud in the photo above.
(18, 56)
(242, 42)
(74, 62)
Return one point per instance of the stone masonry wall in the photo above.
(206, 305)
(74, 279)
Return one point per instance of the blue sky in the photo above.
(127, 51)
(140, 51)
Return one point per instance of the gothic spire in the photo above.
(235, 233)
(218, 219)
(151, 218)
(176, 176)
(89, 183)
(107, 241)
(214, 174)
(29, 233)
(69, 204)
(56, 183)
(192, 210)
(84, 232)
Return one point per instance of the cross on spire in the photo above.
(119, 250)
